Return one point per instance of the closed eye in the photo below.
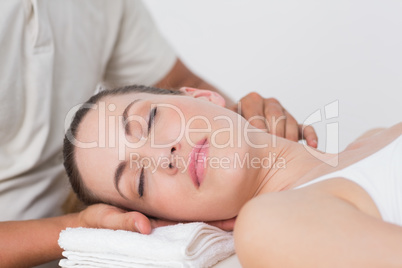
(141, 184)
(151, 118)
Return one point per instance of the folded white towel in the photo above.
(182, 245)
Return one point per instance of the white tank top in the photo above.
(380, 175)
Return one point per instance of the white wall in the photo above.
(307, 54)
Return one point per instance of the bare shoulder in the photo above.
(312, 228)
(370, 133)
(379, 136)
(397, 127)
(270, 227)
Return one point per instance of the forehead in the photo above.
(98, 114)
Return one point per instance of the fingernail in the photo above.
(137, 227)
(314, 143)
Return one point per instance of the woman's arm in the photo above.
(307, 228)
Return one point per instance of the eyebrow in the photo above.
(117, 177)
(125, 117)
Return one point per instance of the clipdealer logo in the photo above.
(328, 115)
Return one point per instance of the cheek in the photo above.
(166, 196)
(231, 180)
(230, 164)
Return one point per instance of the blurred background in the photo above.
(336, 64)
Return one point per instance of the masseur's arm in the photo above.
(278, 121)
(32, 242)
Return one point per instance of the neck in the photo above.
(285, 163)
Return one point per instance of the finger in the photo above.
(274, 113)
(308, 133)
(292, 128)
(252, 108)
(226, 225)
(129, 221)
(110, 217)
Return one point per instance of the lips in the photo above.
(197, 165)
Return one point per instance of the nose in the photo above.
(164, 159)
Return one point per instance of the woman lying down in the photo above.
(184, 157)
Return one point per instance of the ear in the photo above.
(205, 94)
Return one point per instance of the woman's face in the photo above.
(176, 157)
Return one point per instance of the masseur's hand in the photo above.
(109, 217)
(277, 120)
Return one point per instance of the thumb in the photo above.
(110, 217)
(129, 221)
